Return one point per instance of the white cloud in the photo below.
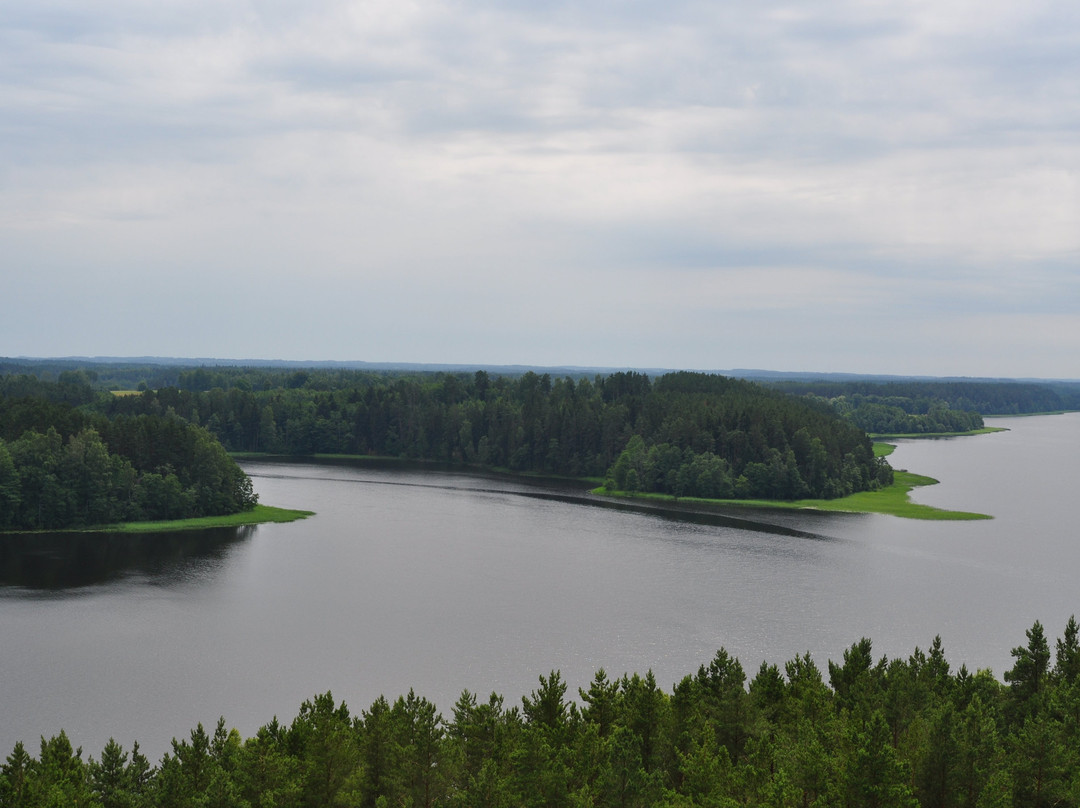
(551, 166)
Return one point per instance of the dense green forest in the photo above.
(717, 436)
(983, 397)
(875, 405)
(685, 434)
(898, 733)
(63, 464)
(922, 407)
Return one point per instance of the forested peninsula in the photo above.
(887, 733)
(64, 464)
(687, 434)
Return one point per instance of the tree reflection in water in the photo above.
(60, 561)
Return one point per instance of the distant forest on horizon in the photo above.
(124, 373)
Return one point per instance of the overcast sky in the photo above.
(880, 187)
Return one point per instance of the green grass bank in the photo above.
(260, 514)
(893, 500)
(986, 430)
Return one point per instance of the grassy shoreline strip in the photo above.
(893, 501)
(260, 514)
(986, 430)
(1026, 414)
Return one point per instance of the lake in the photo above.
(442, 581)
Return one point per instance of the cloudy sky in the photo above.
(871, 186)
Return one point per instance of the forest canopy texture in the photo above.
(688, 434)
(918, 407)
(64, 465)
(899, 733)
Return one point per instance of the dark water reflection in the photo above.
(55, 562)
(450, 478)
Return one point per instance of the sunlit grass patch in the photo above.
(892, 500)
(260, 514)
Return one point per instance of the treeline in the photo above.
(893, 407)
(563, 426)
(138, 375)
(68, 466)
(896, 414)
(920, 397)
(891, 415)
(897, 733)
(802, 470)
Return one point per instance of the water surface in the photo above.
(444, 581)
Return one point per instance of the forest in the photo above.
(885, 733)
(924, 407)
(681, 433)
(65, 465)
(718, 436)
(877, 405)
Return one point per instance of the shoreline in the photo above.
(259, 515)
(986, 430)
(891, 501)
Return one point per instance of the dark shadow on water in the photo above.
(773, 522)
(55, 562)
(693, 514)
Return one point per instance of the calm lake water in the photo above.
(445, 581)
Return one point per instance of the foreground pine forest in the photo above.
(862, 732)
